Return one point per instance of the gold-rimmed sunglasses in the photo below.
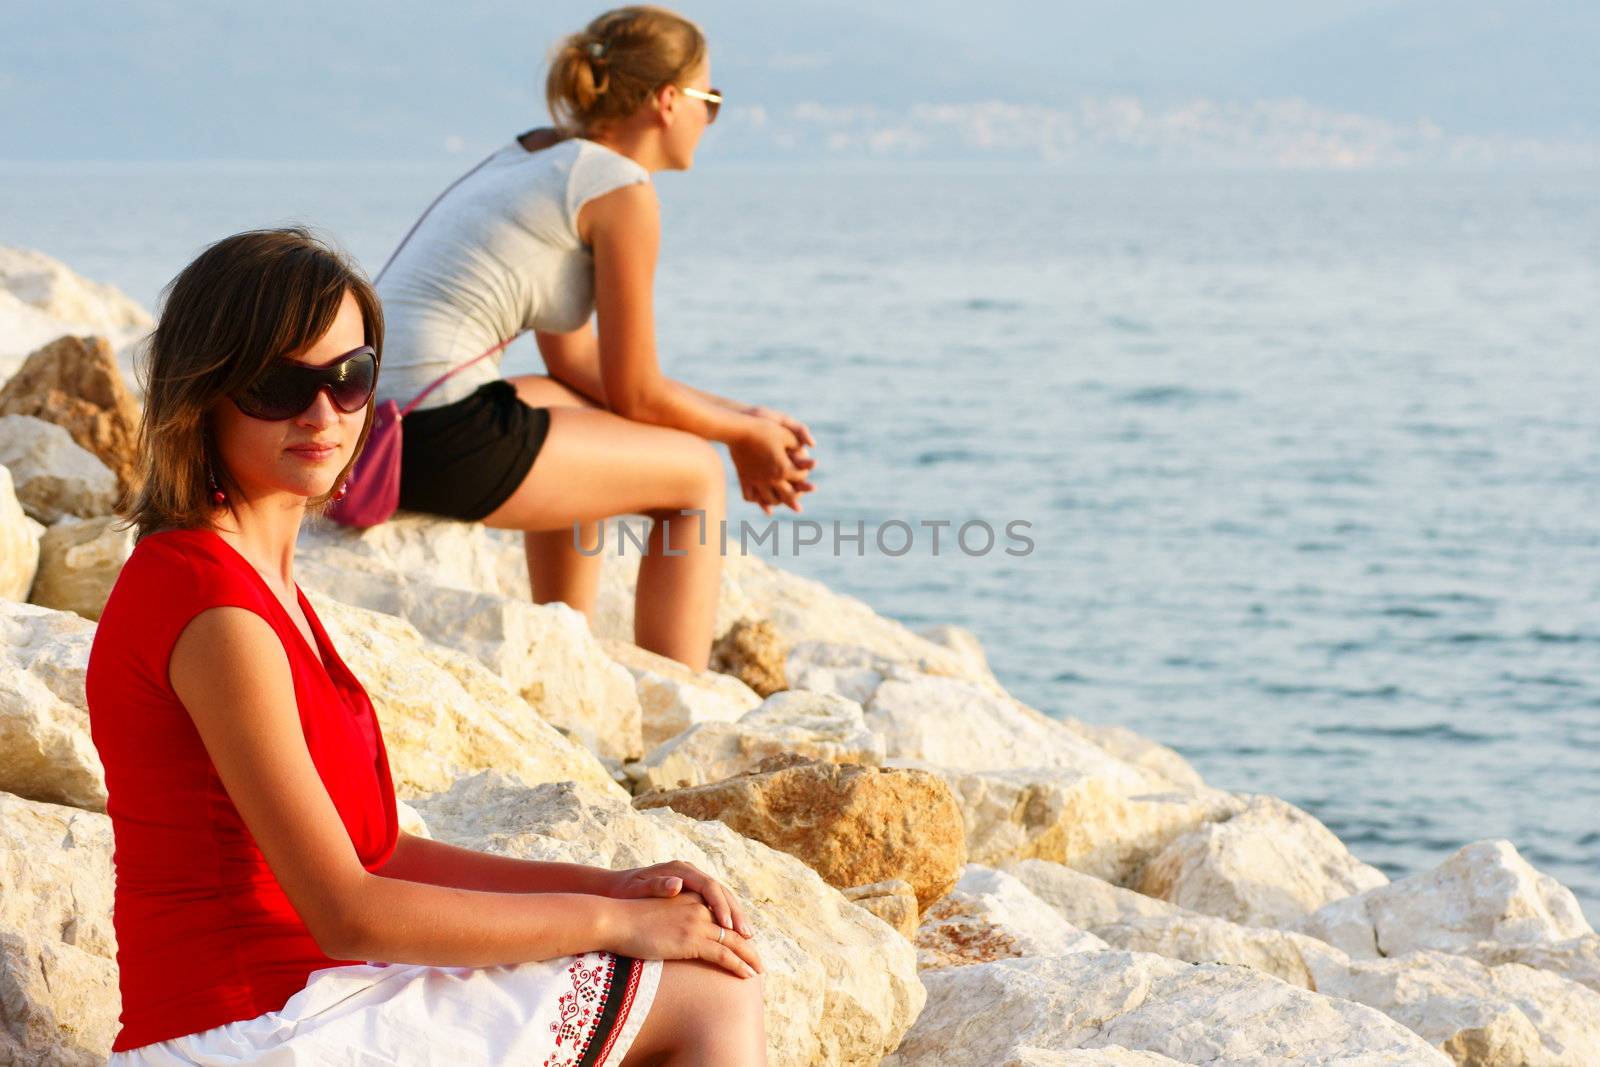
(713, 100)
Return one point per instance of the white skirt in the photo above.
(570, 1011)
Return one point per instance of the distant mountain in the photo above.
(405, 79)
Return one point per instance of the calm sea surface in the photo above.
(1311, 463)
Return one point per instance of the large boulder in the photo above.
(1101, 822)
(841, 986)
(1082, 899)
(44, 718)
(19, 543)
(972, 725)
(53, 476)
(800, 609)
(853, 825)
(810, 725)
(42, 299)
(544, 651)
(409, 546)
(59, 999)
(75, 383)
(79, 560)
(1485, 892)
(1576, 958)
(1193, 938)
(1010, 1008)
(1269, 865)
(1480, 1016)
(990, 915)
(673, 697)
(443, 714)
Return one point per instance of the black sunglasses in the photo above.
(288, 387)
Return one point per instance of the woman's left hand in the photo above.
(794, 425)
(668, 879)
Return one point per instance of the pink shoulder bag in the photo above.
(372, 492)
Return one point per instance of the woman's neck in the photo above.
(265, 532)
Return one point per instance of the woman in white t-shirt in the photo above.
(557, 227)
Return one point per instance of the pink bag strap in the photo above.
(454, 370)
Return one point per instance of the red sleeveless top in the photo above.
(205, 935)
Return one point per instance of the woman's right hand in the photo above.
(772, 464)
(679, 927)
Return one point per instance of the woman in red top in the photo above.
(267, 907)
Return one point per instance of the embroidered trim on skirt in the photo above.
(570, 1011)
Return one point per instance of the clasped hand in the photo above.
(773, 461)
(680, 912)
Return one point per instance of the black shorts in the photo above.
(464, 459)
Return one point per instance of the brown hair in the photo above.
(606, 72)
(242, 303)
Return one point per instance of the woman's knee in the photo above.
(700, 1006)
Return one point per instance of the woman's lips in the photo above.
(314, 452)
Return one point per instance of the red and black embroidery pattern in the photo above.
(596, 1006)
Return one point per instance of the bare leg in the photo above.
(558, 571)
(702, 1016)
(596, 465)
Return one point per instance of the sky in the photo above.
(175, 79)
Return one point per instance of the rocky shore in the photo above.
(936, 872)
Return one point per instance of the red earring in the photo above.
(218, 497)
(341, 491)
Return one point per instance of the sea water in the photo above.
(1308, 463)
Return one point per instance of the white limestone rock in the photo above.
(42, 299)
(544, 651)
(59, 999)
(1192, 1014)
(19, 543)
(800, 609)
(1113, 1056)
(44, 718)
(79, 560)
(1510, 1014)
(813, 725)
(1105, 822)
(672, 697)
(1486, 891)
(1193, 938)
(1082, 899)
(990, 915)
(1576, 959)
(54, 476)
(443, 714)
(409, 546)
(840, 985)
(1269, 865)
(956, 724)
(411, 822)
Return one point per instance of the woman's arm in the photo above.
(229, 669)
(574, 360)
(419, 859)
(624, 227)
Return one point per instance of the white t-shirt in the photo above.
(496, 255)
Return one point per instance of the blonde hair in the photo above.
(605, 73)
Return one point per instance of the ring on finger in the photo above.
(721, 932)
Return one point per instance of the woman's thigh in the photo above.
(543, 391)
(594, 464)
(700, 1006)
